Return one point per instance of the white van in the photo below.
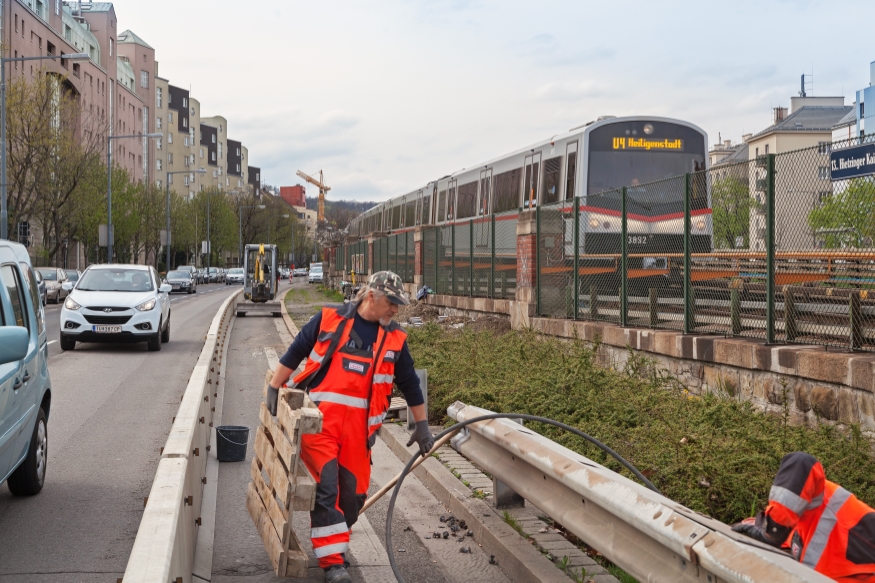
(315, 273)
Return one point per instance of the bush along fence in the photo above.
(780, 248)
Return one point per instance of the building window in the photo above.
(169, 117)
(192, 111)
(823, 172)
(186, 180)
(185, 122)
(213, 157)
(57, 7)
(185, 141)
(185, 102)
(824, 147)
(144, 79)
(192, 159)
(110, 47)
(823, 196)
(215, 174)
(158, 144)
(767, 149)
(158, 163)
(238, 151)
(158, 183)
(169, 158)
(220, 149)
(202, 152)
(169, 138)
(214, 138)
(158, 123)
(238, 167)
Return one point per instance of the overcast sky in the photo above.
(386, 95)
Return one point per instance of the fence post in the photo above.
(537, 274)
(576, 278)
(492, 261)
(689, 300)
(624, 266)
(471, 254)
(770, 249)
(453, 259)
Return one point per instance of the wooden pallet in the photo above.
(280, 482)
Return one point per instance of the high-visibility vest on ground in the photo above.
(823, 525)
(356, 377)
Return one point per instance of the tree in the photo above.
(847, 218)
(730, 207)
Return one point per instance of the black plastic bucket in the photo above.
(231, 442)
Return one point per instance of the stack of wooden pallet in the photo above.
(281, 482)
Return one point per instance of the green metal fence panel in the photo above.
(505, 254)
(429, 265)
(555, 260)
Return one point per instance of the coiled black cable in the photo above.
(462, 424)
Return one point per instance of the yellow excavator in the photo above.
(259, 281)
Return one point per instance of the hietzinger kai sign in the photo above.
(852, 162)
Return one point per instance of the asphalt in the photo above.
(111, 411)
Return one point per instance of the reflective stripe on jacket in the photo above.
(823, 525)
(355, 377)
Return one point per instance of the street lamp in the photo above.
(240, 216)
(201, 171)
(4, 211)
(109, 233)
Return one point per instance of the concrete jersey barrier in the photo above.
(165, 544)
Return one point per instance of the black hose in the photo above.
(462, 424)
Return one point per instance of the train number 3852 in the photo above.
(637, 239)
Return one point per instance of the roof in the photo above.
(810, 118)
(129, 37)
(849, 119)
(739, 154)
(97, 7)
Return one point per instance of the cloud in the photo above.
(571, 91)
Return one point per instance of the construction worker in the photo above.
(820, 523)
(354, 354)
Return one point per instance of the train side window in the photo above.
(451, 201)
(552, 168)
(570, 174)
(467, 200)
(426, 209)
(396, 215)
(410, 212)
(506, 191)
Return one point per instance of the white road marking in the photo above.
(272, 359)
(50, 342)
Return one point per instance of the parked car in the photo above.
(54, 278)
(202, 275)
(315, 275)
(222, 272)
(235, 275)
(192, 270)
(41, 285)
(300, 271)
(181, 281)
(213, 275)
(24, 375)
(73, 275)
(117, 303)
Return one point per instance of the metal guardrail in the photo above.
(165, 545)
(646, 534)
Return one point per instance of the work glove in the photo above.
(755, 528)
(272, 397)
(422, 436)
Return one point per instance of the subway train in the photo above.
(649, 156)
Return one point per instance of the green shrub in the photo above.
(714, 453)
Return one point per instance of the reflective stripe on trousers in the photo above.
(376, 420)
(340, 399)
(825, 525)
(330, 550)
(321, 531)
(793, 501)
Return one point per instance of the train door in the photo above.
(451, 199)
(485, 192)
(418, 212)
(570, 169)
(531, 180)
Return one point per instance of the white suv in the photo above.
(117, 303)
(315, 273)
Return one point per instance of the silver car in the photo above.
(55, 277)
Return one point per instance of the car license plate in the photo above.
(107, 329)
(175, 288)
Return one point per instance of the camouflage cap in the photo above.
(390, 284)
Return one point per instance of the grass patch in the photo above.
(715, 454)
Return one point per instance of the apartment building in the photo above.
(804, 180)
(214, 137)
(138, 59)
(253, 176)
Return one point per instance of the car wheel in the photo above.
(30, 476)
(67, 343)
(155, 341)
(165, 334)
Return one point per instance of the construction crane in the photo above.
(323, 190)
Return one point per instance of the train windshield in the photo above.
(633, 154)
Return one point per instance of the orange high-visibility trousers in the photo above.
(340, 461)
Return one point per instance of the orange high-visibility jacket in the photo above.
(356, 377)
(823, 525)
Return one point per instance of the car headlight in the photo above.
(70, 304)
(147, 305)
